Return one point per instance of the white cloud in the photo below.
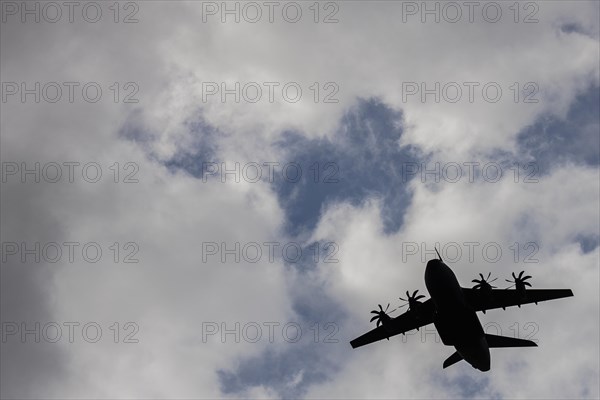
(372, 271)
(168, 54)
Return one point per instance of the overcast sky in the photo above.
(207, 199)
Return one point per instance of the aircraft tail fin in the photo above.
(506, 341)
(453, 359)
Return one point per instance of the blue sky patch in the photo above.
(553, 141)
(362, 160)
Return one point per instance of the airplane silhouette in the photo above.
(452, 309)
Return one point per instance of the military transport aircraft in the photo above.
(452, 309)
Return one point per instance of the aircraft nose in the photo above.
(431, 272)
(433, 263)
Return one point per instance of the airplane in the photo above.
(452, 309)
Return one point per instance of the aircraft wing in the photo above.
(402, 323)
(502, 298)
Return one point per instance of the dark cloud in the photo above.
(362, 160)
(289, 372)
(313, 357)
(465, 384)
(570, 27)
(135, 129)
(552, 141)
(575, 27)
(365, 151)
(28, 369)
(200, 147)
(366, 161)
(588, 243)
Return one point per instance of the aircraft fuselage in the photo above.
(456, 322)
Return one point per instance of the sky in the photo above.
(207, 199)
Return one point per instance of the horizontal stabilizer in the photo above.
(506, 341)
(453, 359)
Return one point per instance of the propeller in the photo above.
(520, 281)
(412, 301)
(484, 283)
(381, 315)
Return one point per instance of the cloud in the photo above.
(371, 214)
(552, 140)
